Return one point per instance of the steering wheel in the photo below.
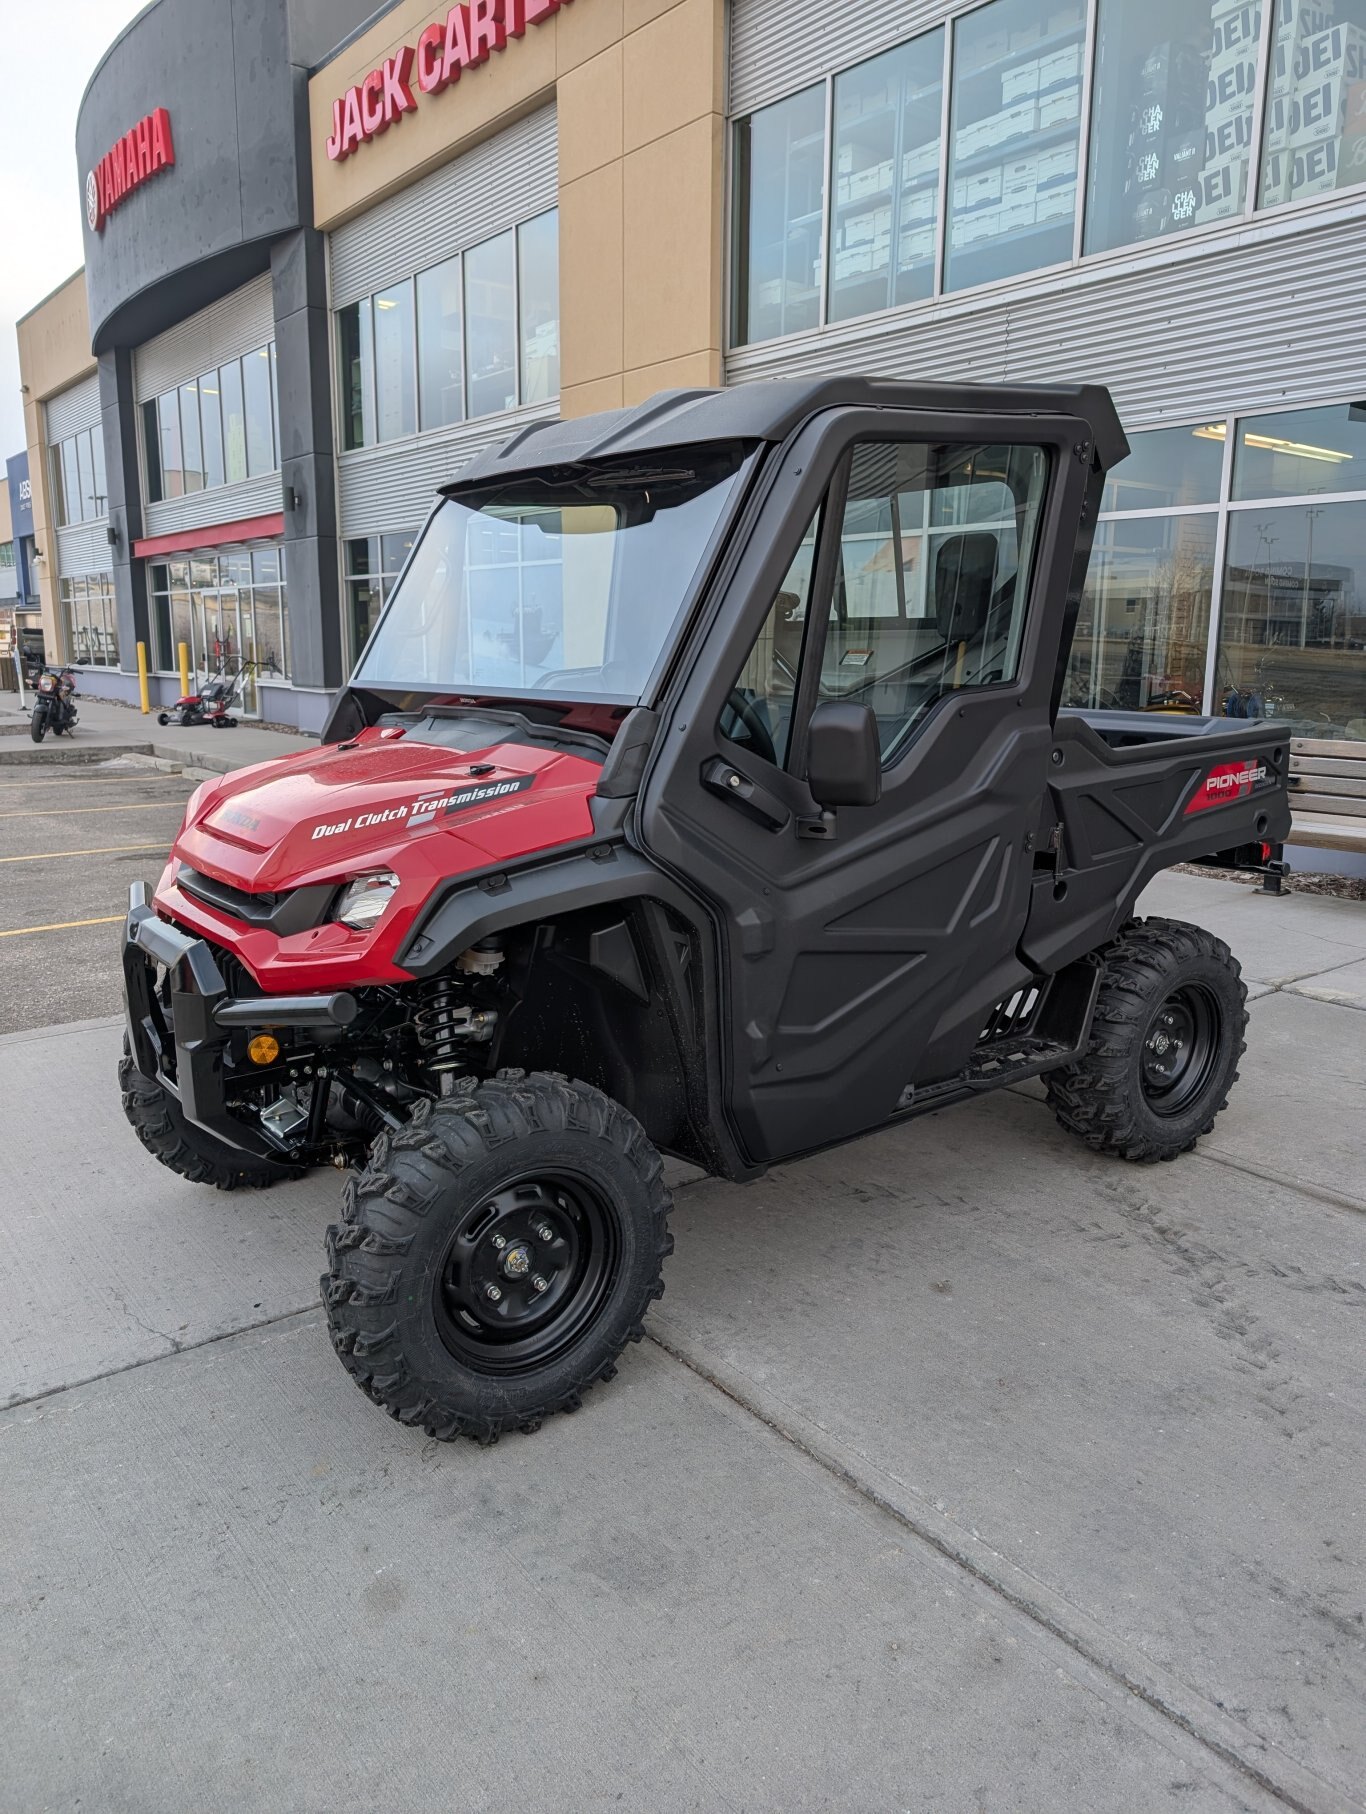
(759, 734)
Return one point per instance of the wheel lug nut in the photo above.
(493, 1294)
(538, 1283)
(545, 1232)
(499, 1242)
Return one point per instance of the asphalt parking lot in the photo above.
(962, 1470)
(72, 837)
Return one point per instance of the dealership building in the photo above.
(320, 275)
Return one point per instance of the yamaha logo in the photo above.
(92, 201)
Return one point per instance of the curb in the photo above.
(189, 762)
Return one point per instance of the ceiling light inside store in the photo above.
(1334, 456)
(385, 302)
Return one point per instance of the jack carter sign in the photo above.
(465, 38)
(141, 152)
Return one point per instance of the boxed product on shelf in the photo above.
(1056, 204)
(981, 190)
(844, 160)
(968, 229)
(918, 204)
(1015, 215)
(1057, 109)
(1019, 178)
(1014, 122)
(1230, 88)
(1059, 68)
(1226, 136)
(1223, 188)
(1057, 167)
(1185, 203)
(1020, 83)
(1145, 171)
(1236, 33)
(916, 246)
(1183, 156)
(1327, 67)
(920, 160)
(1153, 214)
(1314, 168)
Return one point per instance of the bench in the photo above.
(1328, 794)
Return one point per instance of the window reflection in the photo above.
(1168, 467)
(780, 186)
(886, 191)
(1314, 138)
(1143, 628)
(1017, 74)
(395, 363)
(440, 340)
(1296, 453)
(490, 337)
(538, 270)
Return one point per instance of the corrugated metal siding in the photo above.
(508, 179)
(72, 410)
(778, 46)
(234, 325)
(1243, 323)
(392, 487)
(83, 548)
(227, 504)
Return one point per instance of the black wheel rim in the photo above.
(526, 1272)
(1181, 1049)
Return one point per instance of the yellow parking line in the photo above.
(65, 812)
(123, 780)
(62, 925)
(104, 850)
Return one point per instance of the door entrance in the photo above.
(223, 637)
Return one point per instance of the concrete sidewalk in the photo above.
(964, 1471)
(105, 729)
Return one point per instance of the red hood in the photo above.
(333, 813)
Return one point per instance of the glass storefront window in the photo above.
(779, 209)
(101, 496)
(256, 397)
(373, 563)
(1293, 637)
(234, 422)
(85, 504)
(1171, 132)
(440, 344)
(886, 186)
(91, 621)
(191, 443)
(1295, 453)
(274, 404)
(1314, 128)
(1168, 469)
(356, 355)
(490, 334)
(211, 416)
(1143, 628)
(538, 279)
(172, 470)
(1017, 76)
(70, 487)
(151, 452)
(395, 364)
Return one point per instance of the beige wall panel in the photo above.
(672, 245)
(484, 100)
(585, 29)
(671, 72)
(693, 371)
(588, 399)
(589, 108)
(591, 257)
(640, 12)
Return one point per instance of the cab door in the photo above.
(918, 565)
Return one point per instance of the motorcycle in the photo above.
(54, 709)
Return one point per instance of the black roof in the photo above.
(769, 411)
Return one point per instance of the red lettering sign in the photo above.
(467, 36)
(141, 152)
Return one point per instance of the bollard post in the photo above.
(184, 670)
(143, 692)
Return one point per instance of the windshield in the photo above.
(569, 583)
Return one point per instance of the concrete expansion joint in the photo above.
(1206, 1722)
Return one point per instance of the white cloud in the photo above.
(47, 52)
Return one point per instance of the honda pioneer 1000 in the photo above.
(704, 790)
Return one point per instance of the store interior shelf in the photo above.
(993, 242)
(1021, 146)
(1041, 47)
(872, 197)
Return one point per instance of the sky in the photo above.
(48, 49)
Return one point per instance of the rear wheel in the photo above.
(159, 1124)
(1165, 1043)
(496, 1256)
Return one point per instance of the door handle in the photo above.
(752, 798)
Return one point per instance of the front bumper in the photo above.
(187, 1054)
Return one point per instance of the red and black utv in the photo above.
(702, 790)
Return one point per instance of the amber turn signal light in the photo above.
(264, 1049)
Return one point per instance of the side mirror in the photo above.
(843, 755)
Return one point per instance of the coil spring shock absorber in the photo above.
(446, 1025)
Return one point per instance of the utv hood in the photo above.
(385, 801)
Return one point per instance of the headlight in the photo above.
(364, 902)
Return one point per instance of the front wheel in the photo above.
(38, 724)
(163, 718)
(1165, 1042)
(160, 1125)
(496, 1255)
